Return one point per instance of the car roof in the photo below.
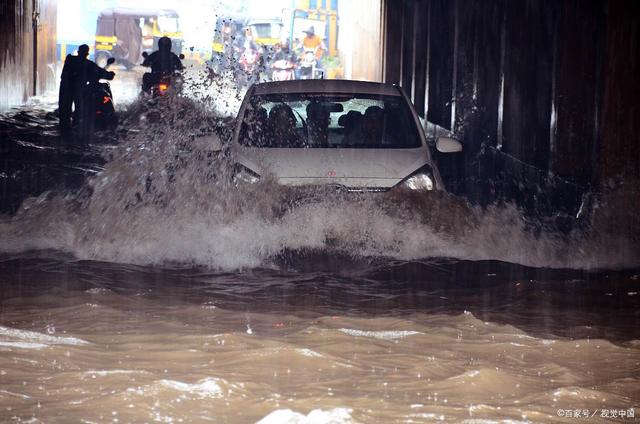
(130, 11)
(265, 21)
(242, 19)
(326, 86)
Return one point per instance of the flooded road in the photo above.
(440, 341)
(139, 285)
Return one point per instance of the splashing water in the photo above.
(165, 196)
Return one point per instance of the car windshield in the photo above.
(267, 30)
(328, 121)
(168, 24)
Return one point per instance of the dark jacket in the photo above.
(163, 62)
(78, 71)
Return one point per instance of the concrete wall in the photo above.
(359, 39)
(619, 149)
(547, 85)
(23, 73)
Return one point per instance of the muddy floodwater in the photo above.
(139, 285)
(440, 341)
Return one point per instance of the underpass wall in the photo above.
(359, 39)
(27, 50)
(541, 92)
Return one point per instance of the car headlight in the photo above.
(242, 174)
(422, 179)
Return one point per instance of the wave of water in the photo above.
(166, 197)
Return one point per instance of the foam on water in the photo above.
(317, 416)
(382, 335)
(164, 197)
(34, 340)
(23, 345)
(208, 387)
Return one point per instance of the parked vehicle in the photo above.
(359, 136)
(125, 33)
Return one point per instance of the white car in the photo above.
(360, 136)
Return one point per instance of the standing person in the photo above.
(76, 73)
(162, 61)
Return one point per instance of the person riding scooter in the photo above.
(283, 63)
(77, 73)
(311, 49)
(312, 42)
(162, 62)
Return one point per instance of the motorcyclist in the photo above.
(246, 41)
(312, 42)
(283, 52)
(162, 62)
(77, 72)
(283, 62)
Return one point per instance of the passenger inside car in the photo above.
(373, 125)
(352, 124)
(318, 119)
(327, 121)
(282, 122)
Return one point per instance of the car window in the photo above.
(267, 30)
(168, 24)
(328, 121)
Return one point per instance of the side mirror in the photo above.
(181, 56)
(448, 145)
(111, 61)
(145, 55)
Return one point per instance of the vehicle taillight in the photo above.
(105, 100)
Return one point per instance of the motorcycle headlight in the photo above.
(242, 174)
(422, 179)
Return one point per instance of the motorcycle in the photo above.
(307, 65)
(248, 70)
(99, 111)
(283, 70)
(161, 83)
(165, 81)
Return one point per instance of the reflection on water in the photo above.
(376, 342)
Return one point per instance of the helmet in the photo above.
(164, 43)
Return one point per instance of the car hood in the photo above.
(376, 168)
